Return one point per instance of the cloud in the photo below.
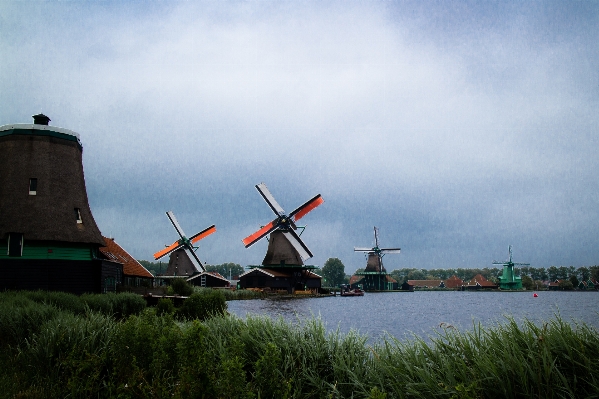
(457, 128)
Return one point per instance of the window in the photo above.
(78, 215)
(33, 186)
(15, 244)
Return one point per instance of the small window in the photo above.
(32, 186)
(78, 215)
(15, 244)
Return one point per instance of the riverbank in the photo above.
(52, 353)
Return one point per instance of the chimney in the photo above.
(41, 119)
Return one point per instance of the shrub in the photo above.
(127, 304)
(118, 305)
(204, 304)
(165, 306)
(181, 287)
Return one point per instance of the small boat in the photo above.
(347, 291)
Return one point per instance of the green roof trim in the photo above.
(34, 130)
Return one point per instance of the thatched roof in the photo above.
(53, 156)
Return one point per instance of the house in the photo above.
(554, 285)
(426, 283)
(480, 282)
(280, 279)
(454, 283)
(49, 239)
(134, 274)
(209, 279)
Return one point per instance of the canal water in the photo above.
(402, 314)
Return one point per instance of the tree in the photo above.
(574, 280)
(584, 273)
(333, 272)
(226, 269)
(566, 285)
(528, 283)
(416, 274)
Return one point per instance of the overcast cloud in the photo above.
(456, 128)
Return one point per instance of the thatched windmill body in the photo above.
(48, 236)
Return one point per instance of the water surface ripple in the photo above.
(403, 314)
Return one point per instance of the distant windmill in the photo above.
(375, 275)
(508, 280)
(183, 246)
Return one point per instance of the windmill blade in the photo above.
(270, 200)
(376, 237)
(173, 220)
(521, 264)
(391, 250)
(303, 210)
(298, 244)
(195, 260)
(253, 238)
(203, 234)
(358, 249)
(174, 246)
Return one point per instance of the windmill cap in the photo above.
(40, 119)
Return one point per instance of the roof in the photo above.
(479, 279)
(57, 209)
(354, 279)
(425, 283)
(454, 282)
(212, 274)
(279, 273)
(131, 267)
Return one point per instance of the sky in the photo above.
(456, 128)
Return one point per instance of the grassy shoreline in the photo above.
(49, 351)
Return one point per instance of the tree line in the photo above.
(333, 273)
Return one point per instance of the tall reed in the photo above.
(145, 355)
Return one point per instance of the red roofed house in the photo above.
(134, 274)
(480, 282)
(454, 282)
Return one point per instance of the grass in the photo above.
(47, 351)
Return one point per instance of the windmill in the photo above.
(190, 266)
(508, 280)
(286, 253)
(283, 223)
(375, 277)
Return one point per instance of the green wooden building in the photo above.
(508, 279)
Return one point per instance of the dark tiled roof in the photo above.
(425, 283)
(115, 252)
